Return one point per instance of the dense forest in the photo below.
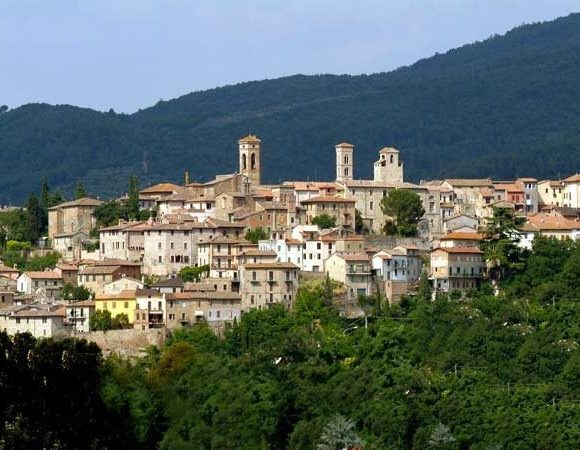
(490, 372)
(508, 106)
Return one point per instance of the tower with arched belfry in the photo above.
(344, 161)
(389, 168)
(250, 158)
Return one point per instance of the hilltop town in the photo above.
(211, 252)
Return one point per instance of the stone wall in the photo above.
(389, 242)
(127, 343)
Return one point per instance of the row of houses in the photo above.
(204, 225)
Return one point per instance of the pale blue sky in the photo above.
(127, 54)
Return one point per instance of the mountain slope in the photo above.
(504, 107)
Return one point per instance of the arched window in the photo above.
(253, 161)
(346, 171)
(244, 163)
(345, 159)
(391, 159)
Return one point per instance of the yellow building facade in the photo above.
(124, 302)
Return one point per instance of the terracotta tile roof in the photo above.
(553, 222)
(122, 226)
(573, 179)
(180, 295)
(388, 150)
(509, 187)
(65, 267)
(329, 199)
(250, 138)
(270, 265)
(64, 235)
(47, 275)
(35, 311)
(383, 255)
(4, 268)
(469, 182)
(123, 295)
(216, 223)
(85, 201)
(116, 262)
(530, 227)
(353, 256)
(257, 252)
(468, 250)
(459, 235)
(81, 303)
(162, 188)
(99, 270)
(220, 178)
(169, 282)
(305, 185)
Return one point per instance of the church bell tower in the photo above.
(250, 158)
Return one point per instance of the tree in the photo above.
(16, 254)
(70, 292)
(405, 209)
(500, 243)
(101, 321)
(107, 214)
(358, 222)
(339, 434)
(424, 289)
(256, 234)
(441, 436)
(133, 200)
(328, 291)
(191, 274)
(3, 108)
(120, 321)
(80, 190)
(41, 263)
(34, 219)
(324, 221)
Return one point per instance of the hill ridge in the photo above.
(504, 106)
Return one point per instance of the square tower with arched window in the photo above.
(388, 168)
(344, 161)
(250, 158)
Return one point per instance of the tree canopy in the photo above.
(404, 209)
(324, 221)
(256, 234)
(486, 372)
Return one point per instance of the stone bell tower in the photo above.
(389, 168)
(344, 161)
(250, 158)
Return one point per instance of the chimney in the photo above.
(186, 178)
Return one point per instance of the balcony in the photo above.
(216, 266)
(465, 275)
(358, 270)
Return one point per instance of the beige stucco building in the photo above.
(265, 284)
(340, 208)
(353, 270)
(456, 268)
